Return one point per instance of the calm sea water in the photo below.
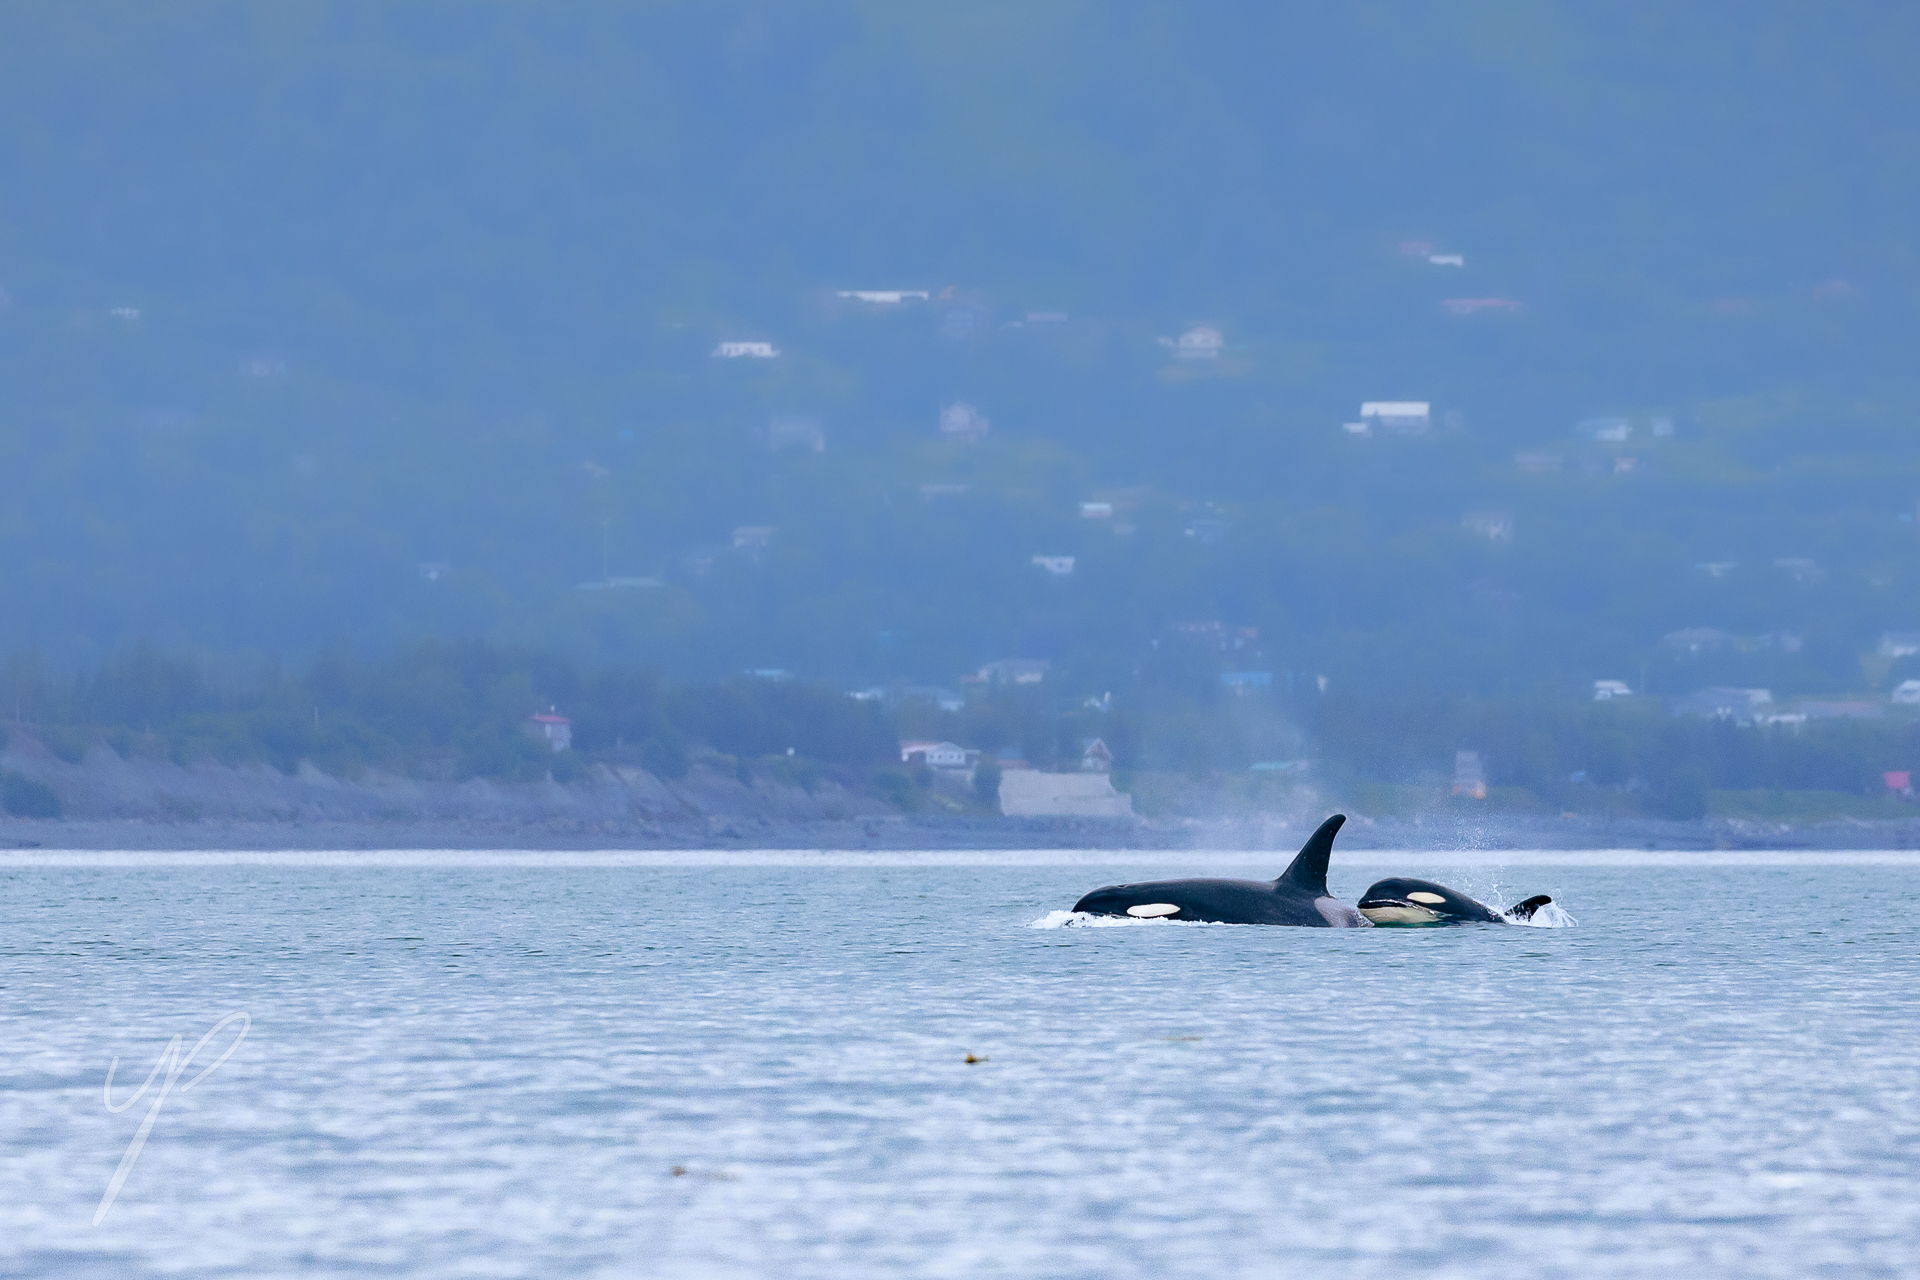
(460, 1066)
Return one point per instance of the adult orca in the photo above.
(1298, 897)
(1401, 901)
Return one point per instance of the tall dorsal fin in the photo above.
(1308, 870)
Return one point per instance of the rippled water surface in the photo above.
(749, 1070)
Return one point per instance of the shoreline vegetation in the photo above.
(431, 748)
(922, 833)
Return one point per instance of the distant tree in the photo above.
(1684, 794)
(664, 757)
(1609, 757)
(895, 788)
(22, 797)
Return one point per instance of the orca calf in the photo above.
(1298, 897)
(1412, 902)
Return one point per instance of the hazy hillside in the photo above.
(301, 298)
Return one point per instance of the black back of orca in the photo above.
(1298, 897)
(1401, 901)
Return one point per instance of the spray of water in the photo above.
(1551, 916)
(1082, 920)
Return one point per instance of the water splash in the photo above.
(1083, 920)
(1551, 916)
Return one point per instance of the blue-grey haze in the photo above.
(330, 320)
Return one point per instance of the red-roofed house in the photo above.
(554, 730)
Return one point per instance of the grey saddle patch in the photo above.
(1339, 914)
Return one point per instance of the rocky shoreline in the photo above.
(114, 803)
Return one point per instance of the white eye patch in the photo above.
(1421, 895)
(1148, 910)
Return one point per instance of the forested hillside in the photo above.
(367, 324)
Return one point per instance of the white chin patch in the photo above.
(1400, 915)
(1149, 910)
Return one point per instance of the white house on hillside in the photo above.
(1406, 417)
(1495, 526)
(1202, 342)
(753, 537)
(883, 297)
(1013, 671)
(961, 421)
(935, 755)
(1899, 644)
(1604, 430)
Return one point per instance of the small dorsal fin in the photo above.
(1525, 910)
(1308, 870)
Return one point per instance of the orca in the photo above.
(1298, 897)
(1400, 901)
